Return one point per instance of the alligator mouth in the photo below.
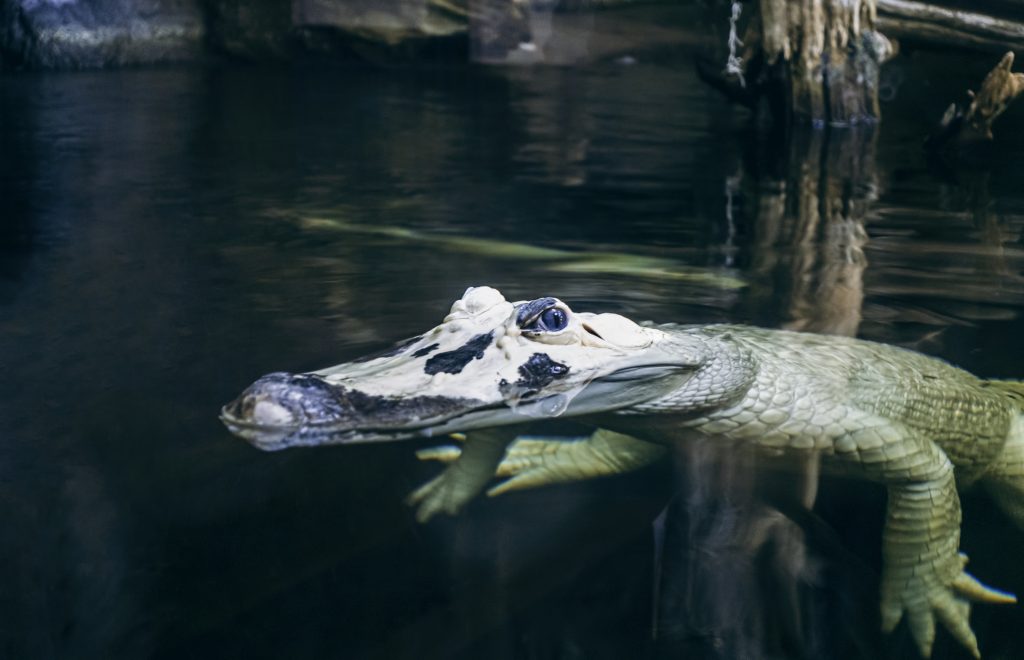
(281, 410)
(274, 437)
(650, 371)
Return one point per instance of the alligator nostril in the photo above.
(271, 413)
(282, 400)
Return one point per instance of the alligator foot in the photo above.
(468, 472)
(923, 599)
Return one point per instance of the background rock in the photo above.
(75, 34)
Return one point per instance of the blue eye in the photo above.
(552, 319)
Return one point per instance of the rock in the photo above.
(385, 21)
(76, 34)
(383, 29)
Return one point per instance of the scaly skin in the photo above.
(913, 423)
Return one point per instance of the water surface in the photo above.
(170, 235)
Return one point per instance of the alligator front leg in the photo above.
(465, 477)
(923, 575)
(536, 461)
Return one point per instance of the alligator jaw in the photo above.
(283, 410)
(253, 417)
(275, 438)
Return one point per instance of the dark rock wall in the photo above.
(75, 34)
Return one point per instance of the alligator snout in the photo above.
(267, 402)
(283, 410)
(284, 401)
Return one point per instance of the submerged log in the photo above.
(971, 121)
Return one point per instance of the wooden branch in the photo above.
(973, 123)
(999, 88)
(917, 21)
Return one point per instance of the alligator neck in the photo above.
(726, 372)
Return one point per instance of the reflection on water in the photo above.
(739, 577)
(812, 195)
(551, 260)
(157, 256)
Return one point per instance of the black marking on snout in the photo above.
(534, 375)
(362, 409)
(384, 411)
(318, 398)
(425, 350)
(530, 310)
(453, 362)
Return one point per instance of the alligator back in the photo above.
(967, 417)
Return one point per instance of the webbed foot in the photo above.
(469, 470)
(923, 597)
(446, 493)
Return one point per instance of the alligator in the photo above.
(917, 425)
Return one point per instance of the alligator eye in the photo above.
(552, 319)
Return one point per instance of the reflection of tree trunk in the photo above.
(808, 256)
(732, 566)
(738, 577)
(497, 30)
(992, 233)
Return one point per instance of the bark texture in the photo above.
(827, 55)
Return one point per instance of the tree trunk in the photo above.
(826, 54)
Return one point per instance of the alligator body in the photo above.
(916, 424)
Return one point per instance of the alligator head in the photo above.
(489, 363)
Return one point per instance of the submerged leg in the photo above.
(537, 461)
(469, 470)
(923, 575)
(534, 462)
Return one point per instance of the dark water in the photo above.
(168, 236)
